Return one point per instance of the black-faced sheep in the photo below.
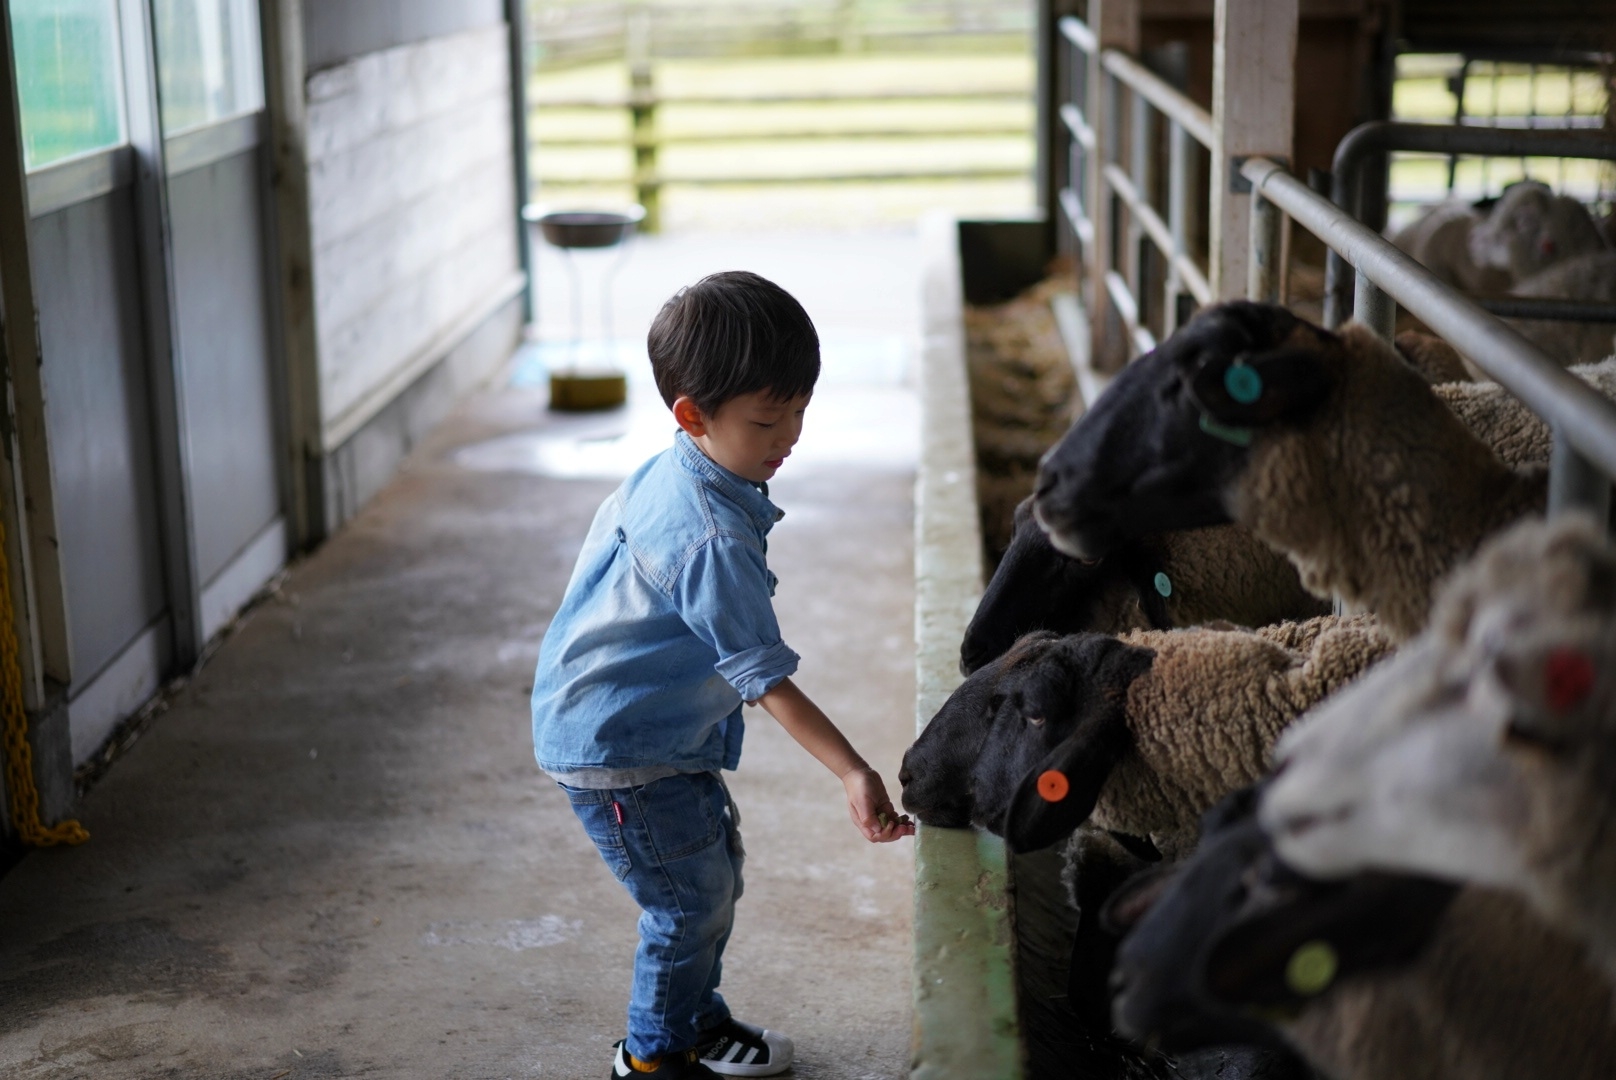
(1146, 730)
(1486, 751)
(1156, 582)
(1328, 447)
(1370, 977)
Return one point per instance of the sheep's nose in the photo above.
(904, 776)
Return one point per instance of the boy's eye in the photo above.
(761, 424)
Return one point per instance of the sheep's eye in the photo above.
(1036, 721)
(1525, 732)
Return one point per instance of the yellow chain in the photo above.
(19, 755)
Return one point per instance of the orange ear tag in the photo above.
(1053, 785)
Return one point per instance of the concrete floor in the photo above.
(333, 855)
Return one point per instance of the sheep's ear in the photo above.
(1433, 358)
(1247, 390)
(1134, 898)
(1291, 953)
(1060, 792)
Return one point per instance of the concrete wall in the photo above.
(412, 212)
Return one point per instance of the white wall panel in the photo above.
(412, 206)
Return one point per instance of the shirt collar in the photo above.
(753, 498)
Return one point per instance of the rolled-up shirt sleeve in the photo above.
(723, 596)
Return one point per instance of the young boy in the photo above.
(665, 629)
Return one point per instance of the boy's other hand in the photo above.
(872, 811)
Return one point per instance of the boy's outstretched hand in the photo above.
(872, 811)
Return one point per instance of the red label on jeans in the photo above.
(617, 808)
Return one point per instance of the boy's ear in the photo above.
(688, 415)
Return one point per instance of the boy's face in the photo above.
(750, 435)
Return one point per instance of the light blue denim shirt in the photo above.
(666, 627)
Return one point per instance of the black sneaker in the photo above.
(737, 1049)
(685, 1065)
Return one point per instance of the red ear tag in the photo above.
(1568, 678)
(1053, 785)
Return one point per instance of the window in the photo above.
(208, 61)
(69, 77)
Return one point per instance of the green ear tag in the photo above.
(1237, 436)
(1243, 383)
(1164, 584)
(1311, 968)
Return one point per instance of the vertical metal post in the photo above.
(1048, 130)
(1265, 263)
(1575, 483)
(1139, 173)
(171, 441)
(1177, 198)
(1373, 308)
(516, 26)
(1115, 24)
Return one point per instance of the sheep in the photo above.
(1370, 977)
(1221, 572)
(1486, 752)
(1515, 433)
(1328, 447)
(1160, 582)
(1148, 729)
(1530, 228)
(1439, 239)
(1435, 360)
(1590, 276)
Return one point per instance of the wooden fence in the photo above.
(576, 31)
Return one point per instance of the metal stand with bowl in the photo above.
(582, 384)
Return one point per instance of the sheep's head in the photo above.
(1157, 451)
(1050, 702)
(1486, 750)
(1223, 943)
(1530, 228)
(1037, 588)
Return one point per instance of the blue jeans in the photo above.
(675, 845)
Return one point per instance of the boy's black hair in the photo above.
(730, 334)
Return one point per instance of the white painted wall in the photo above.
(412, 208)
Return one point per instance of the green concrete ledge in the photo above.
(964, 976)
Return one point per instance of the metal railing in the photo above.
(1366, 143)
(1583, 422)
(1094, 175)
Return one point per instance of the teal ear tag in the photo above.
(1164, 585)
(1238, 436)
(1244, 383)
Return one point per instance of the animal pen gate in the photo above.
(966, 1016)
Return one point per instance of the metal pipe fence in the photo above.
(1096, 187)
(1583, 422)
(1365, 144)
